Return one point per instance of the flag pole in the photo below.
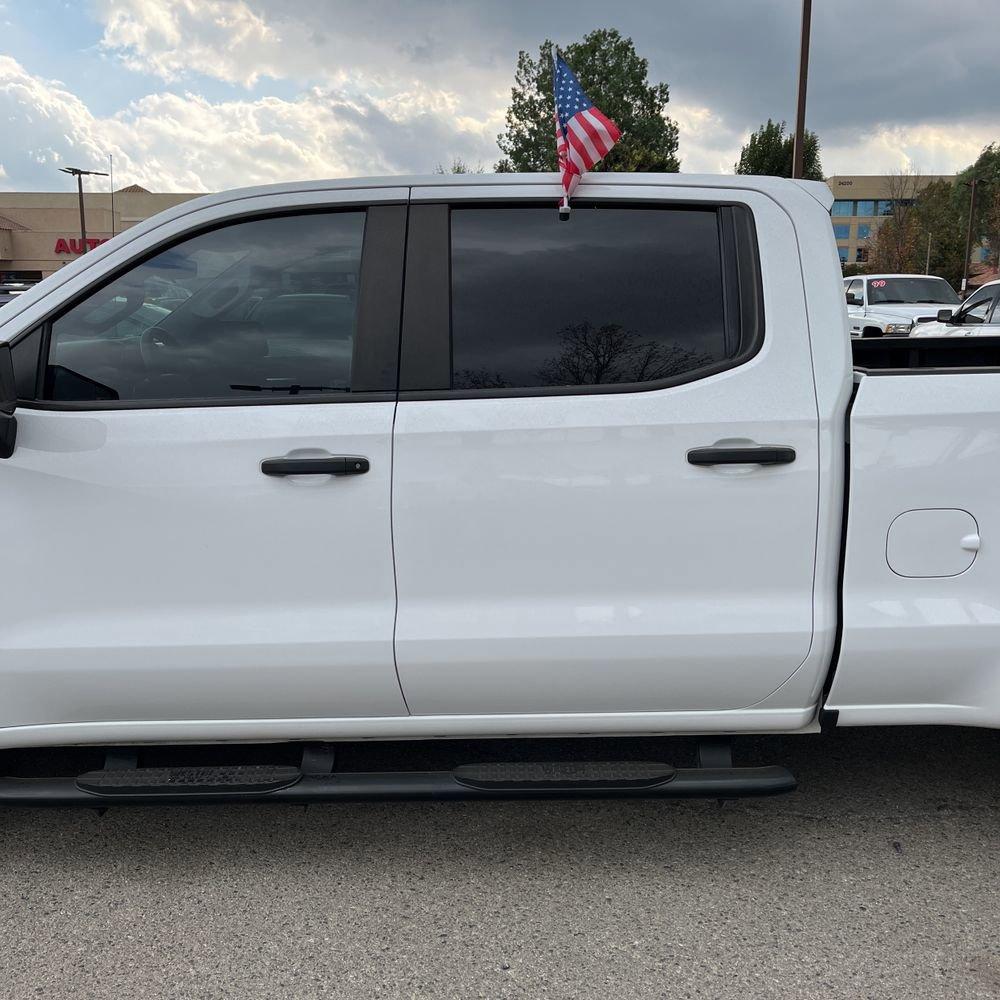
(564, 204)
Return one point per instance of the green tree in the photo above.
(941, 232)
(986, 224)
(616, 79)
(769, 152)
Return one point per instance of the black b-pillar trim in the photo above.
(425, 359)
(380, 291)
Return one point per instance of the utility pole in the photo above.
(79, 175)
(927, 270)
(798, 151)
(111, 176)
(968, 236)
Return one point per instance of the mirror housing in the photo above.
(8, 403)
(852, 299)
(944, 316)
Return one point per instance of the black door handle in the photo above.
(339, 466)
(755, 455)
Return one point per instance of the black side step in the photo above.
(240, 780)
(573, 779)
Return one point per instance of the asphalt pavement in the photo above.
(879, 878)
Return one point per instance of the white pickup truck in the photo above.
(415, 459)
(889, 305)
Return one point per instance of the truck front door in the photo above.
(187, 547)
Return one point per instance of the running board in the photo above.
(117, 785)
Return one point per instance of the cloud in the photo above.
(248, 91)
(224, 39)
(928, 148)
(184, 142)
(708, 144)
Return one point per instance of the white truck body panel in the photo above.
(922, 650)
(544, 565)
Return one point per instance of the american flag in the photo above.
(584, 136)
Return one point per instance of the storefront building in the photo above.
(40, 231)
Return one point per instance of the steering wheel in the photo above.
(160, 350)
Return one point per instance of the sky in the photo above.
(200, 95)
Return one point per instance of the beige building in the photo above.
(860, 204)
(40, 231)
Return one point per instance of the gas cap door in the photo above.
(932, 543)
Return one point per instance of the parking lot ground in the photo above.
(878, 878)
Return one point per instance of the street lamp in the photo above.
(79, 175)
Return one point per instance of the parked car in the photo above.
(889, 304)
(613, 475)
(978, 316)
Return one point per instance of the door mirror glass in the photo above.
(852, 299)
(944, 316)
(8, 403)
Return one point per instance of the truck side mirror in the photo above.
(852, 299)
(8, 403)
(944, 316)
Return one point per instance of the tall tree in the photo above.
(769, 152)
(895, 246)
(986, 170)
(941, 247)
(923, 232)
(616, 78)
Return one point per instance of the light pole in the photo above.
(79, 175)
(798, 150)
(968, 236)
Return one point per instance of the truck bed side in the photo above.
(921, 590)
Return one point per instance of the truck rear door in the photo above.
(605, 453)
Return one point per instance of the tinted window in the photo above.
(260, 307)
(910, 290)
(864, 230)
(865, 208)
(842, 208)
(613, 295)
(842, 231)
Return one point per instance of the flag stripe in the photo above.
(612, 129)
(603, 136)
(596, 140)
(577, 156)
(579, 142)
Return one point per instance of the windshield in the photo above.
(915, 290)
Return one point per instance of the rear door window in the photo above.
(615, 297)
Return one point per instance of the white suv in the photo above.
(881, 305)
